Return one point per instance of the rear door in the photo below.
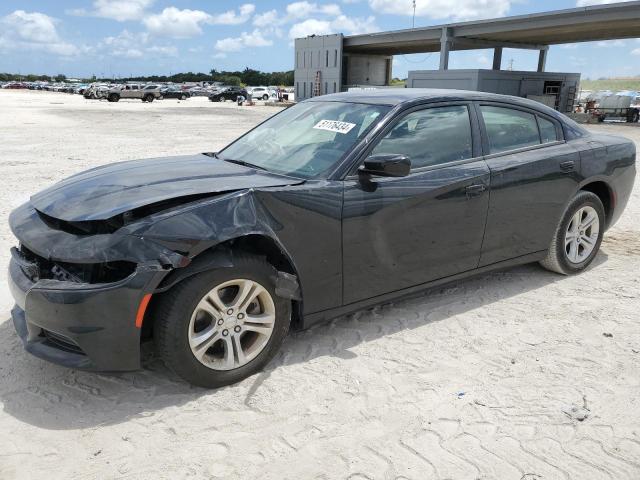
(127, 92)
(402, 232)
(534, 172)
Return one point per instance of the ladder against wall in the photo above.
(317, 88)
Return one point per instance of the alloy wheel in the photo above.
(232, 324)
(582, 233)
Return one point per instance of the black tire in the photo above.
(557, 259)
(174, 313)
(265, 97)
(113, 97)
(148, 98)
(183, 97)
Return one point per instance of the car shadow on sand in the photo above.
(52, 397)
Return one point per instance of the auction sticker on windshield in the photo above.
(334, 126)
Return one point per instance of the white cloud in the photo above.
(246, 39)
(34, 31)
(175, 23)
(229, 44)
(483, 60)
(611, 43)
(120, 10)
(124, 40)
(232, 18)
(441, 9)
(167, 51)
(134, 45)
(304, 9)
(266, 19)
(128, 53)
(342, 24)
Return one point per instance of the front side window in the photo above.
(306, 140)
(509, 129)
(430, 137)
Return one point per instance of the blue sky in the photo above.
(136, 37)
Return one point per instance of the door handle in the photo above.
(475, 190)
(568, 166)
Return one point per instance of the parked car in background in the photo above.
(96, 91)
(199, 92)
(146, 93)
(336, 204)
(260, 93)
(174, 92)
(228, 93)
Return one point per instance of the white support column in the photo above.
(542, 59)
(445, 48)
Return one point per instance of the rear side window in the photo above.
(430, 137)
(509, 129)
(548, 132)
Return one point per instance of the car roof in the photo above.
(397, 96)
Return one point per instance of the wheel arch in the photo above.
(605, 193)
(221, 256)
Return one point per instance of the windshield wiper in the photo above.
(241, 162)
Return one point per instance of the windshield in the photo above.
(305, 140)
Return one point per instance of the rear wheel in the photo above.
(577, 239)
(113, 97)
(221, 326)
(147, 98)
(183, 97)
(265, 97)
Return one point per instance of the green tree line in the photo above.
(248, 76)
(12, 77)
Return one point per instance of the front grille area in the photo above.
(61, 342)
(94, 273)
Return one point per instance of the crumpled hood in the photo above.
(103, 192)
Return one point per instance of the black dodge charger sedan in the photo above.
(333, 205)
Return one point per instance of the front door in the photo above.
(402, 232)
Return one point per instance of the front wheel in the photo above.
(221, 326)
(577, 239)
(148, 98)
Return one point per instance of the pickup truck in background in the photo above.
(146, 93)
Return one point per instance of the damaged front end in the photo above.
(77, 292)
(77, 295)
(81, 287)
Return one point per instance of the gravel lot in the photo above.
(483, 379)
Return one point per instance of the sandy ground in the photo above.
(483, 379)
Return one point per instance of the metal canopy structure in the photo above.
(534, 31)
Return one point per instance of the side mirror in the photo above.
(387, 165)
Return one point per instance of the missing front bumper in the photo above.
(89, 327)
